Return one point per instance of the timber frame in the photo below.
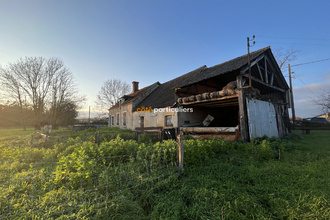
(268, 86)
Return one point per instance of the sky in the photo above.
(157, 40)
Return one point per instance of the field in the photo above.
(75, 178)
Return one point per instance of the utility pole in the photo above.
(249, 61)
(291, 97)
(89, 115)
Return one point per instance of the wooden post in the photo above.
(180, 150)
(31, 142)
(98, 138)
(249, 62)
(291, 93)
(136, 134)
(243, 120)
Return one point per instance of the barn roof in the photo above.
(164, 95)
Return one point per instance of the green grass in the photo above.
(220, 180)
(231, 187)
(15, 132)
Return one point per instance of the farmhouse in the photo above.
(213, 101)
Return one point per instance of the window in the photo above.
(112, 120)
(124, 118)
(168, 121)
(117, 119)
(141, 121)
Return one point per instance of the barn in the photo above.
(224, 100)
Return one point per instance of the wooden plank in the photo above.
(211, 100)
(231, 102)
(209, 129)
(227, 137)
(180, 139)
(148, 128)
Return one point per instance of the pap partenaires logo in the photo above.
(167, 109)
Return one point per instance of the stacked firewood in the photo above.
(228, 90)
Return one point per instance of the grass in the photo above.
(295, 187)
(14, 132)
(230, 184)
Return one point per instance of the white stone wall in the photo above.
(154, 119)
(127, 107)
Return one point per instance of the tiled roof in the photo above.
(130, 97)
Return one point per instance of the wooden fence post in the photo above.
(180, 150)
(136, 134)
(97, 138)
(31, 142)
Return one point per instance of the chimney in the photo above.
(135, 86)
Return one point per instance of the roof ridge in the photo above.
(146, 87)
(199, 68)
(256, 51)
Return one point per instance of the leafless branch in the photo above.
(283, 57)
(111, 91)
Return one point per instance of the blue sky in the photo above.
(158, 40)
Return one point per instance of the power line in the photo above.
(305, 84)
(315, 61)
(295, 38)
(292, 43)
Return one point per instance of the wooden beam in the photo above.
(226, 137)
(208, 130)
(278, 77)
(243, 120)
(212, 100)
(266, 84)
(266, 73)
(239, 81)
(272, 78)
(252, 64)
(260, 73)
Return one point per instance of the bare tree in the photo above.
(283, 57)
(13, 91)
(34, 80)
(111, 91)
(46, 83)
(63, 89)
(323, 100)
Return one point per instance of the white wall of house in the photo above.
(121, 111)
(133, 119)
(155, 119)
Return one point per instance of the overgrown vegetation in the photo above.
(122, 179)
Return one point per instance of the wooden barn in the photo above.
(213, 101)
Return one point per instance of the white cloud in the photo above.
(304, 98)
